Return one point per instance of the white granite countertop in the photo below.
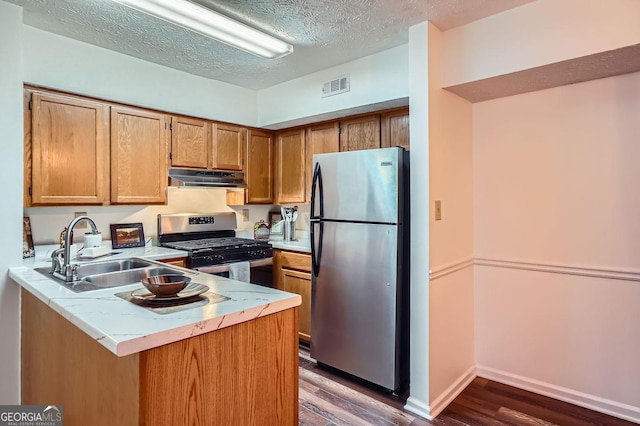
(43, 254)
(125, 328)
(303, 245)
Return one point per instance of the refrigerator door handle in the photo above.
(317, 182)
(316, 254)
(314, 264)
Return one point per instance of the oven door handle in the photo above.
(225, 267)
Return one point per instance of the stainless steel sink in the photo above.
(93, 268)
(112, 273)
(115, 279)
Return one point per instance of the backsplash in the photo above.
(48, 222)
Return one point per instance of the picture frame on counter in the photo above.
(127, 235)
(28, 250)
(276, 223)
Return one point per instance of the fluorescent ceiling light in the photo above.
(214, 25)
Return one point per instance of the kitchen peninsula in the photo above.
(108, 361)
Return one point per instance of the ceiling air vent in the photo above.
(334, 87)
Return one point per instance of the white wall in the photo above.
(381, 78)
(536, 34)
(451, 335)
(557, 240)
(65, 64)
(11, 210)
(62, 63)
(48, 222)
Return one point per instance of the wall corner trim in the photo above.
(446, 397)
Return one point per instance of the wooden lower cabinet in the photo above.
(292, 273)
(176, 261)
(246, 374)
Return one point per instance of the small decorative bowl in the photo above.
(166, 285)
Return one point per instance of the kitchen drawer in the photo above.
(177, 261)
(294, 260)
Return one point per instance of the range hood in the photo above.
(206, 178)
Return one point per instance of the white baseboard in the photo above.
(592, 402)
(441, 401)
(418, 407)
(446, 397)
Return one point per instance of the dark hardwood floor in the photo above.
(329, 398)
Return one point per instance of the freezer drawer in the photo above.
(355, 301)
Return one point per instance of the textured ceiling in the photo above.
(324, 33)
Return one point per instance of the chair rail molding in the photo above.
(585, 271)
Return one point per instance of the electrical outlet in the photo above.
(245, 215)
(438, 210)
(83, 224)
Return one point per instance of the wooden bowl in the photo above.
(166, 285)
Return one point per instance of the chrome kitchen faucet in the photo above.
(61, 267)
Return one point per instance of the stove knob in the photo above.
(208, 259)
(260, 252)
(219, 258)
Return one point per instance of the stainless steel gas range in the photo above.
(210, 240)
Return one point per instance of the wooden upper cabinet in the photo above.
(189, 142)
(259, 167)
(227, 146)
(139, 160)
(395, 128)
(360, 133)
(69, 151)
(321, 139)
(290, 164)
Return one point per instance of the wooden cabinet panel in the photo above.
(139, 140)
(294, 260)
(292, 273)
(395, 128)
(360, 133)
(69, 151)
(320, 139)
(227, 146)
(176, 261)
(27, 184)
(290, 164)
(189, 142)
(300, 283)
(259, 169)
(246, 374)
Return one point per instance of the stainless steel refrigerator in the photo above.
(360, 264)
